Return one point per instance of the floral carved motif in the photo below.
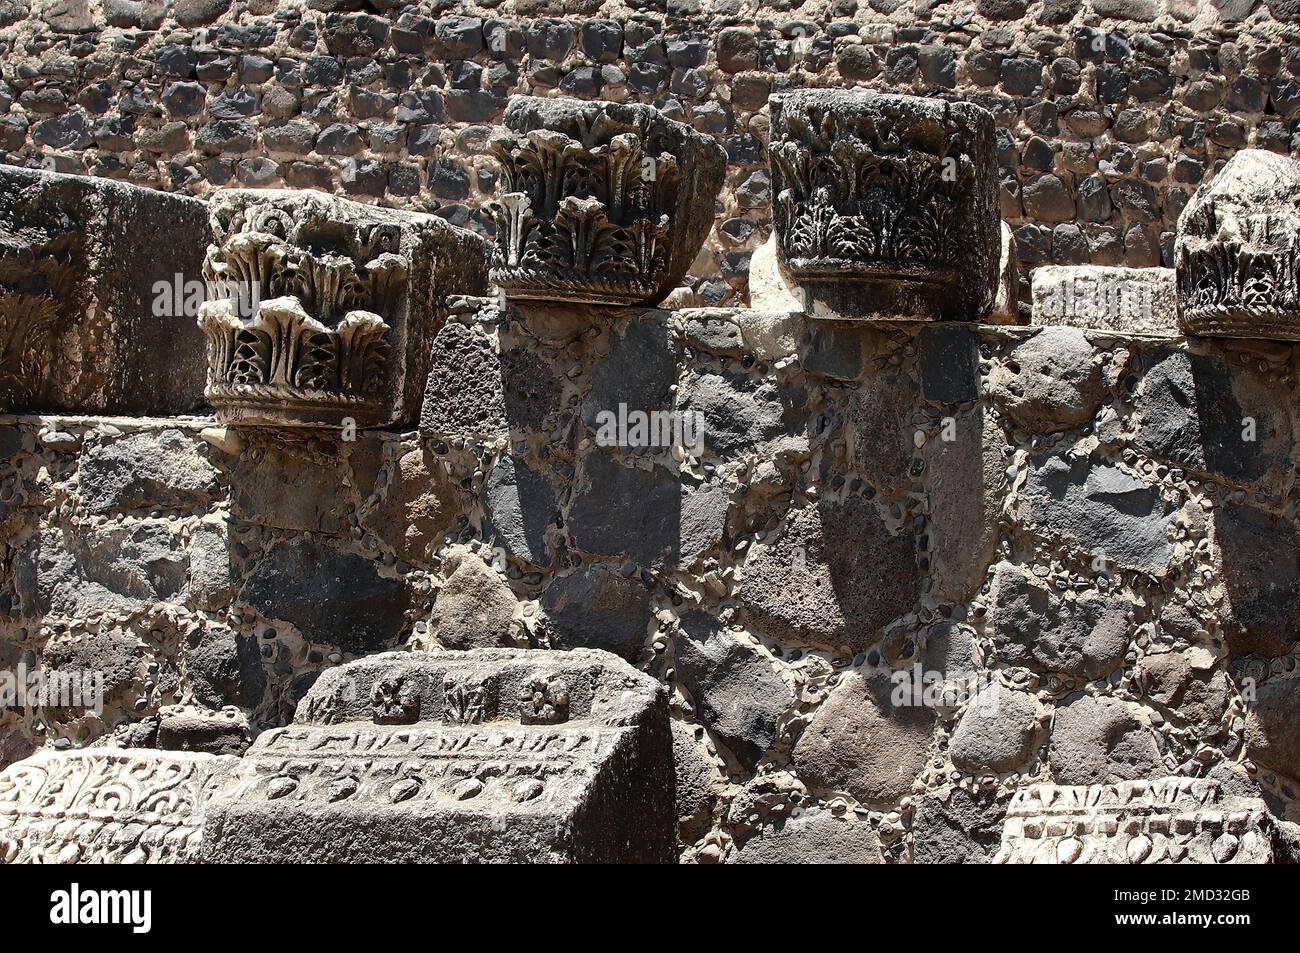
(885, 192)
(297, 321)
(464, 701)
(394, 701)
(319, 310)
(26, 328)
(458, 778)
(598, 201)
(31, 288)
(103, 805)
(1238, 251)
(544, 701)
(853, 206)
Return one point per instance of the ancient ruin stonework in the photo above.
(1171, 820)
(90, 318)
(105, 806)
(1074, 493)
(1238, 248)
(494, 755)
(531, 514)
(885, 206)
(1109, 114)
(1133, 300)
(321, 309)
(602, 203)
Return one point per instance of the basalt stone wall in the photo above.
(1109, 112)
(1097, 531)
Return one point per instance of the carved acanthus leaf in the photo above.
(27, 324)
(1238, 251)
(585, 211)
(295, 323)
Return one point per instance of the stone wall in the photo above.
(1109, 112)
(885, 583)
(1094, 530)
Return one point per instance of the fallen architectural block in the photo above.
(1238, 251)
(1128, 300)
(603, 203)
(486, 755)
(886, 206)
(322, 310)
(1165, 821)
(106, 806)
(92, 307)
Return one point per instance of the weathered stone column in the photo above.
(603, 203)
(886, 206)
(322, 310)
(1238, 251)
(92, 276)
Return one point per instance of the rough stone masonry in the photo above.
(1108, 113)
(384, 543)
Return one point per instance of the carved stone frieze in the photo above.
(1131, 300)
(886, 206)
(1238, 251)
(321, 310)
(1164, 821)
(106, 805)
(28, 322)
(482, 755)
(603, 203)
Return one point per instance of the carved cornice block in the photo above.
(886, 206)
(603, 203)
(106, 806)
(1126, 300)
(486, 755)
(321, 310)
(1164, 821)
(80, 329)
(1238, 251)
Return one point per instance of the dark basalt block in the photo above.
(89, 320)
(487, 755)
(603, 203)
(886, 206)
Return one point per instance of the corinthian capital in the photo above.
(886, 206)
(321, 309)
(604, 203)
(1237, 252)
